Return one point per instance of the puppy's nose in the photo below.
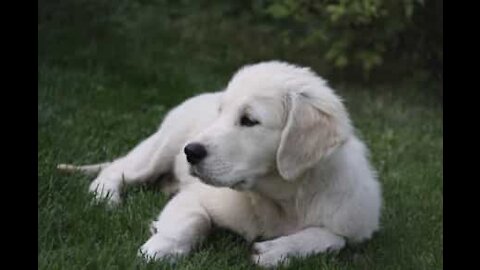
(195, 152)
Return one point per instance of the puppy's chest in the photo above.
(273, 219)
(287, 217)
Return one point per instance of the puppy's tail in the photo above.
(85, 169)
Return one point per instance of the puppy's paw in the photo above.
(159, 247)
(105, 190)
(270, 253)
(153, 228)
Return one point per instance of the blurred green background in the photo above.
(356, 41)
(109, 70)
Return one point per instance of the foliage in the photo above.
(362, 34)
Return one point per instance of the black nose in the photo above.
(195, 152)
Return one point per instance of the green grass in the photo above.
(108, 73)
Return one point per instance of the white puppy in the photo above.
(274, 157)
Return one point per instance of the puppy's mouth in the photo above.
(193, 172)
(205, 178)
(240, 185)
(209, 180)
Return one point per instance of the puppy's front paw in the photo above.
(105, 190)
(153, 227)
(270, 253)
(162, 248)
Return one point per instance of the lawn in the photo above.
(109, 73)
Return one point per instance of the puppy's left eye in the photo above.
(247, 121)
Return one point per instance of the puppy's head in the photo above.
(274, 118)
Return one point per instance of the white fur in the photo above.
(300, 179)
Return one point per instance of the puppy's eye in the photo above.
(248, 122)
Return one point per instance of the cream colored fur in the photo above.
(300, 180)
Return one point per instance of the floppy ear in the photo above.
(309, 134)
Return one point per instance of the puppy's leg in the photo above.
(151, 158)
(183, 223)
(303, 243)
(154, 156)
(188, 217)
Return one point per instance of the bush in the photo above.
(345, 40)
(363, 34)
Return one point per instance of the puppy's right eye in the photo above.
(248, 122)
